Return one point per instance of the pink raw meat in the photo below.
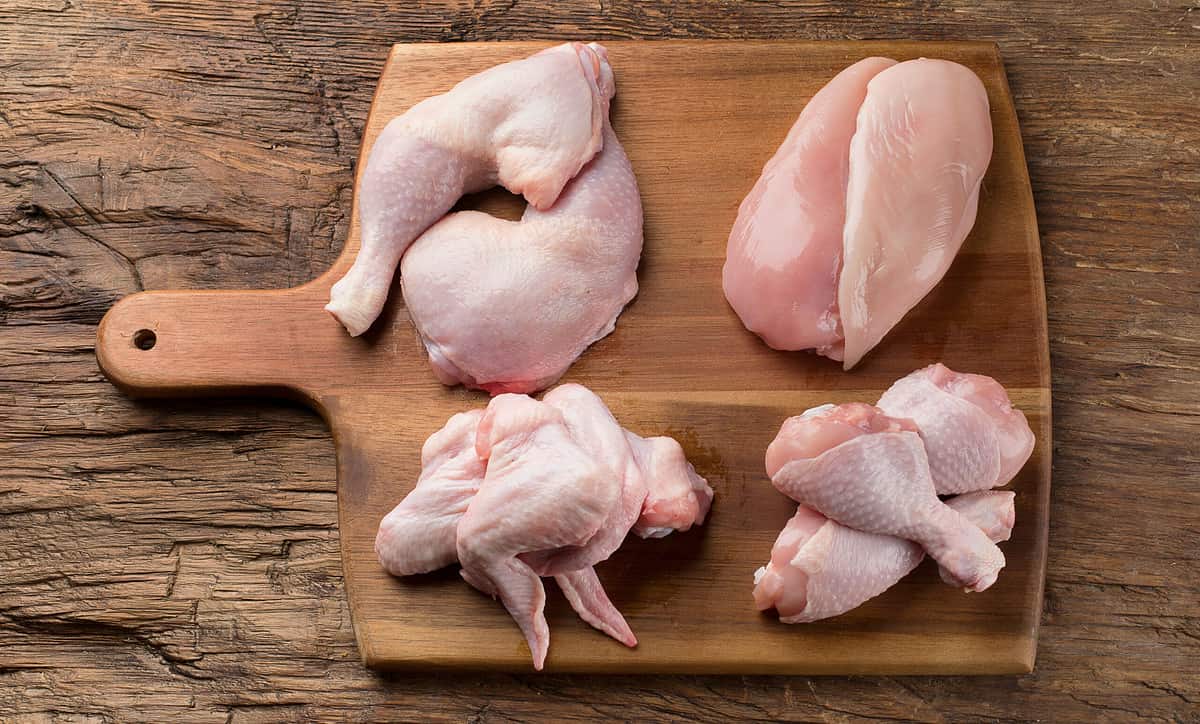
(541, 491)
(863, 208)
(879, 482)
(922, 144)
(507, 306)
(561, 486)
(820, 568)
(785, 249)
(419, 535)
(529, 125)
(974, 438)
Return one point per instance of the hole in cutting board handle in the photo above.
(144, 339)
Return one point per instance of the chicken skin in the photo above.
(529, 125)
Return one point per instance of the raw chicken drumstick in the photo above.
(854, 464)
(974, 438)
(501, 489)
(529, 125)
(819, 568)
(507, 306)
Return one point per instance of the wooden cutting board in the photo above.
(698, 119)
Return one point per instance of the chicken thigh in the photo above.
(820, 568)
(974, 438)
(507, 306)
(529, 125)
(856, 465)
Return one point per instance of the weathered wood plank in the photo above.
(212, 146)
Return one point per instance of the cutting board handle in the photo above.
(170, 343)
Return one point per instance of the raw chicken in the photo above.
(507, 306)
(597, 432)
(824, 428)
(820, 568)
(542, 491)
(917, 159)
(586, 595)
(861, 211)
(871, 473)
(676, 497)
(558, 470)
(785, 249)
(974, 438)
(529, 125)
(420, 534)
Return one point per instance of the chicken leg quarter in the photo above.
(529, 125)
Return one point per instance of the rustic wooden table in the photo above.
(179, 560)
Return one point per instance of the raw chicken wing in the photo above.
(541, 491)
(676, 497)
(528, 489)
(820, 568)
(597, 432)
(586, 595)
(419, 535)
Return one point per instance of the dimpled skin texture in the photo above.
(541, 491)
(820, 568)
(507, 306)
(785, 248)
(879, 482)
(974, 438)
(602, 438)
(419, 535)
(558, 470)
(529, 125)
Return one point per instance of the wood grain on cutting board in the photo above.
(698, 120)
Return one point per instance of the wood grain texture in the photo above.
(178, 559)
(698, 119)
